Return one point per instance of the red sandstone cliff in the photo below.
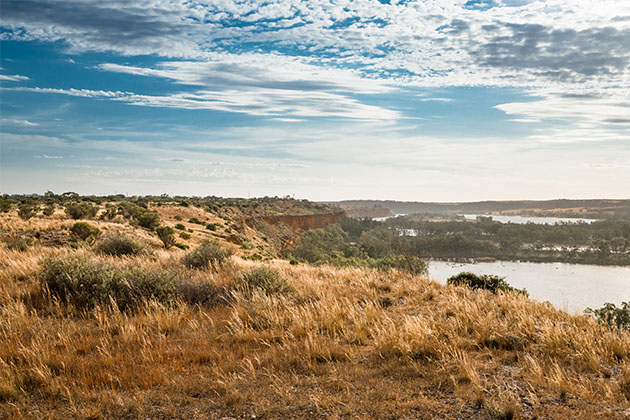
(300, 222)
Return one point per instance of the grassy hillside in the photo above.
(159, 333)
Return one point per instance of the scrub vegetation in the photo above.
(214, 332)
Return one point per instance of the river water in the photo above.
(570, 287)
(527, 219)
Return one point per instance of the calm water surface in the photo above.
(571, 287)
(525, 219)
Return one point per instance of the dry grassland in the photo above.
(342, 343)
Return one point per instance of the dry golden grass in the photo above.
(345, 343)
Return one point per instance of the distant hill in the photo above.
(561, 207)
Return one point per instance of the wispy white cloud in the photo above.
(588, 114)
(24, 123)
(12, 78)
(254, 101)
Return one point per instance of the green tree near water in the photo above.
(612, 315)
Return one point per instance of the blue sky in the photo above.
(409, 100)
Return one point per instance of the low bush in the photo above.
(407, 263)
(195, 221)
(85, 231)
(484, 281)
(180, 226)
(211, 226)
(81, 210)
(121, 245)
(109, 213)
(49, 209)
(26, 211)
(612, 315)
(84, 283)
(209, 254)
(199, 293)
(264, 279)
(148, 219)
(166, 235)
(5, 205)
(184, 235)
(19, 243)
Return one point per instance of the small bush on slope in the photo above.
(484, 281)
(81, 210)
(611, 315)
(209, 254)
(407, 263)
(85, 231)
(263, 278)
(19, 243)
(84, 283)
(121, 245)
(166, 235)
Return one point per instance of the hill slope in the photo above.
(274, 340)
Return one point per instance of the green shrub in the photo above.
(180, 226)
(26, 211)
(247, 243)
(121, 245)
(211, 226)
(5, 205)
(610, 314)
(84, 283)
(85, 232)
(407, 263)
(209, 254)
(195, 221)
(81, 210)
(485, 281)
(19, 243)
(148, 220)
(177, 218)
(199, 293)
(184, 235)
(181, 246)
(49, 209)
(166, 235)
(109, 213)
(264, 279)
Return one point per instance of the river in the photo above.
(527, 219)
(570, 287)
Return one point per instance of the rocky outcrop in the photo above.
(299, 222)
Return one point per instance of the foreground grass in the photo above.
(333, 343)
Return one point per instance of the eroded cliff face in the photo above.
(299, 222)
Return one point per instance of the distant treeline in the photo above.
(564, 208)
(263, 205)
(604, 242)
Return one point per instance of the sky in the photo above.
(433, 100)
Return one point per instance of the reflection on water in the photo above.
(521, 220)
(571, 287)
(382, 219)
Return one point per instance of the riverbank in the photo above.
(570, 287)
